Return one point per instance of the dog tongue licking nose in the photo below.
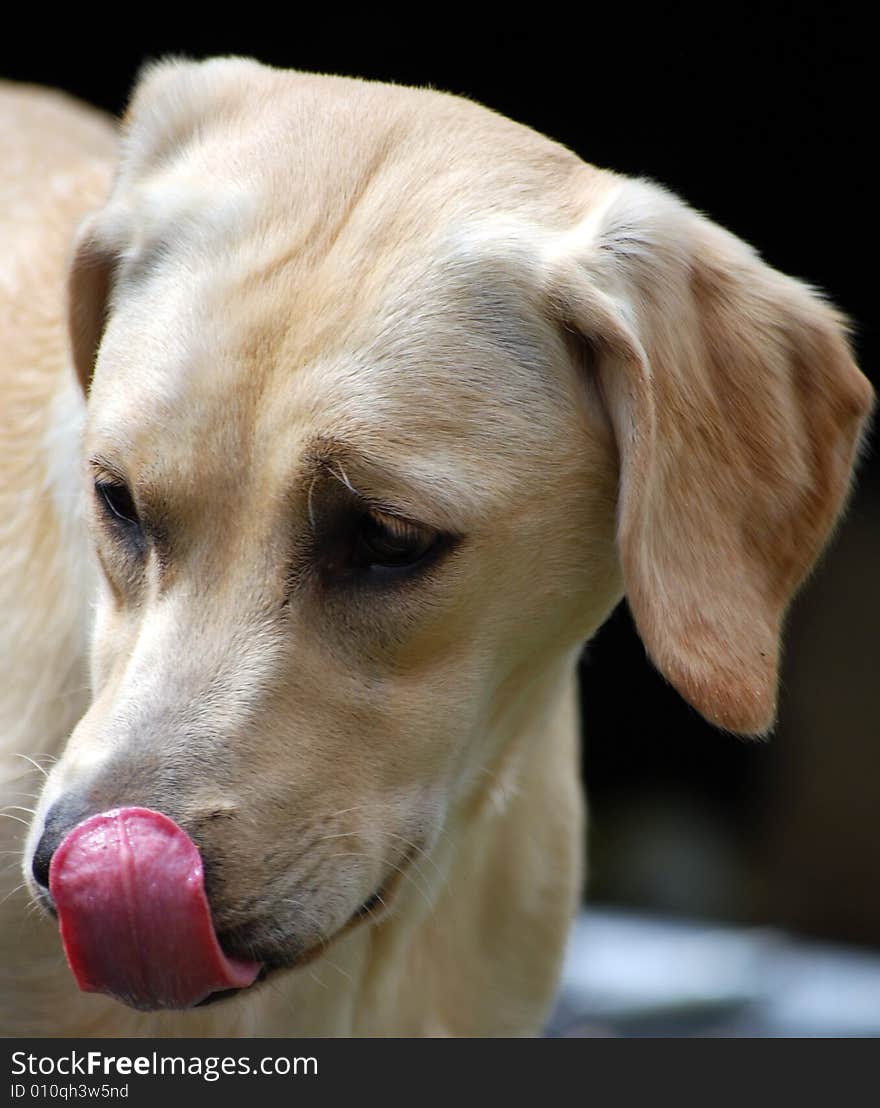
(135, 921)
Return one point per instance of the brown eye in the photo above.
(117, 502)
(385, 542)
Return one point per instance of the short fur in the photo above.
(301, 288)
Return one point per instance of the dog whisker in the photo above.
(310, 508)
(415, 847)
(33, 762)
(346, 811)
(12, 892)
(33, 910)
(18, 819)
(338, 968)
(340, 474)
(316, 979)
(404, 873)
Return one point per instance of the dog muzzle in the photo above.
(135, 921)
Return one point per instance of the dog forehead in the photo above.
(339, 260)
(261, 168)
(446, 366)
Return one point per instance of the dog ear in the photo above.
(89, 284)
(737, 411)
(172, 99)
(102, 238)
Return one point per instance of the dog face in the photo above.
(392, 399)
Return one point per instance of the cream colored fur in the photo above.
(300, 286)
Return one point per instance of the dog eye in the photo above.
(117, 502)
(385, 542)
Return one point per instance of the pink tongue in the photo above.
(135, 921)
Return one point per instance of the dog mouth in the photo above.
(127, 887)
(295, 957)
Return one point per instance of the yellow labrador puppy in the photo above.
(375, 405)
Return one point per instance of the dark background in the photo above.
(766, 121)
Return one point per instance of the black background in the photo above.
(765, 120)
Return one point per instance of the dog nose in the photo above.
(43, 859)
(61, 818)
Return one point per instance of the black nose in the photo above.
(62, 817)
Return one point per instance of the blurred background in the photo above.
(765, 121)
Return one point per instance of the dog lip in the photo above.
(272, 961)
(227, 994)
(365, 911)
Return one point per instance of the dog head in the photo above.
(389, 400)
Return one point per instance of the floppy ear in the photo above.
(103, 240)
(737, 410)
(89, 284)
(171, 100)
